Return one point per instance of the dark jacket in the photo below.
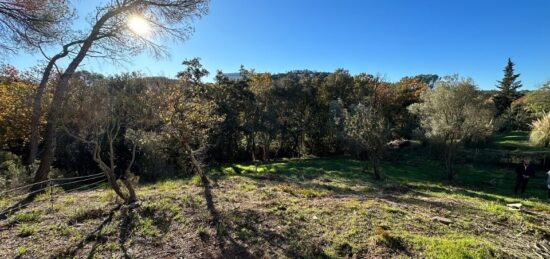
(522, 170)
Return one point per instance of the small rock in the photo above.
(443, 220)
(514, 206)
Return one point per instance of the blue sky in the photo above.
(392, 38)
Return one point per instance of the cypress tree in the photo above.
(508, 87)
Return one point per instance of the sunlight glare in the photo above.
(139, 25)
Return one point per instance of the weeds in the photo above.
(26, 229)
(20, 251)
(26, 217)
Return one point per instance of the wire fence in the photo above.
(26, 190)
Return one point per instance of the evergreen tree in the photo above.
(507, 88)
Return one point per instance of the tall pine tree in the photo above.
(507, 88)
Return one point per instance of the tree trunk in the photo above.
(366, 168)
(264, 153)
(280, 146)
(252, 147)
(112, 181)
(59, 95)
(53, 117)
(376, 168)
(37, 106)
(132, 197)
(449, 162)
(109, 170)
(193, 159)
(266, 144)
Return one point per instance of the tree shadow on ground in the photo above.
(256, 227)
(93, 236)
(502, 197)
(260, 228)
(28, 200)
(4, 214)
(127, 227)
(478, 182)
(129, 223)
(228, 246)
(474, 180)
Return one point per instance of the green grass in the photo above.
(299, 208)
(507, 148)
(492, 182)
(479, 189)
(65, 230)
(26, 230)
(512, 140)
(517, 141)
(20, 251)
(453, 247)
(26, 216)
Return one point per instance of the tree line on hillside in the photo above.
(155, 127)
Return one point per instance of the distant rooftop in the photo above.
(233, 76)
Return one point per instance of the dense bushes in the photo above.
(12, 171)
(177, 125)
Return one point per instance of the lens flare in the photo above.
(138, 25)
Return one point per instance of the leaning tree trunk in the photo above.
(37, 103)
(53, 117)
(59, 95)
(196, 164)
(111, 179)
(109, 169)
(192, 157)
(36, 110)
(109, 172)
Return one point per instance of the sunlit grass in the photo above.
(452, 246)
(325, 207)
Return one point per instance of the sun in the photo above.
(138, 25)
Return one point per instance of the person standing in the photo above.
(524, 172)
(548, 184)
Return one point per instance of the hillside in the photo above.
(293, 208)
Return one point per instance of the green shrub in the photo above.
(12, 172)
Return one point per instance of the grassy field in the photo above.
(314, 208)
(516, 141)
(513, 140)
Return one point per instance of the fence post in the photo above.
(51, 194)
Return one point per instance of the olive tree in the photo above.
(111, 116)
(452, 113)
(366, 126)
(188, 113)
